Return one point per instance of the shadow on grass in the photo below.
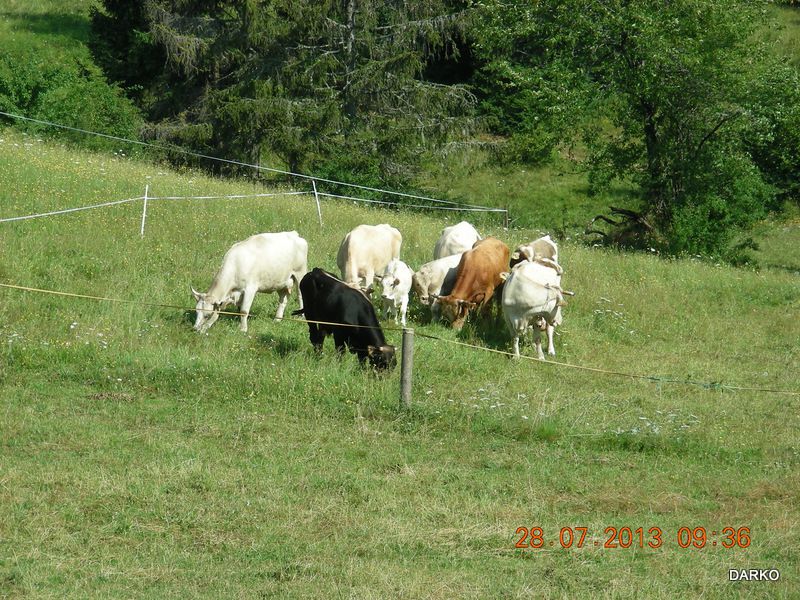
(281, 345)
(57, 24)
(489, 330)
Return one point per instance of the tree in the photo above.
(335, 86)
(668, 85)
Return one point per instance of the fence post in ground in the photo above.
(507, 223)
(406, 366)
(144, 210)
(316, 197)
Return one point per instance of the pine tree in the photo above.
(335, 86)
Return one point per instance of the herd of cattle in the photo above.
(466, 273)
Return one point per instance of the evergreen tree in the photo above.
(336, 85)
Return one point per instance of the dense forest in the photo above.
(687, 102)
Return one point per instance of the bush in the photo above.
(70, 92)
(727, 199)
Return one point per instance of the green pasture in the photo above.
(140, 459)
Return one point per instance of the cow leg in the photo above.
(537, 340)
(551, 349)
(297, 277)
(387, 304)
(403, 310)
(284, 300)
(248, 296)
(516, 345)
(317, 336)
(369, 281)
(340, 339)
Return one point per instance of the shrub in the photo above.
(70, 92)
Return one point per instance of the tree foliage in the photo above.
(679, 98)
(335, 86)
(669, 90)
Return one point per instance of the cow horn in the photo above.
(515, 255)
(197, 295)
(504, 275)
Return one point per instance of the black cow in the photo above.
(329, 299)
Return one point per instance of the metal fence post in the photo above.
(406, 366)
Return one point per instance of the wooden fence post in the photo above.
(406, 366)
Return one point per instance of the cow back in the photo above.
(479, 270)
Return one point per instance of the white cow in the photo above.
(436, 278)
(532, 297)
(396, 284)
(455, 239)
(366, 251)
(543, 248)
(266, 262)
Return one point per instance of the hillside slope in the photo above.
(141, 459)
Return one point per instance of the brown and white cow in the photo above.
(365, 253)
(543, 248)
(479, 273)
(532, 299)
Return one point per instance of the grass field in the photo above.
(140, 459)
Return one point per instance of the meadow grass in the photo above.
(140, 459)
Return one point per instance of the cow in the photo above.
(532, 297)
(366, 251)
(479, 273)
(265, 262)
(333, 307)
(543, 248)
(455, 239)
(435, 278)
(395, 286)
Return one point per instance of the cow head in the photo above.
(207, 312)
(382, 358)
(456, 310)
(389, 287)
(422, 292)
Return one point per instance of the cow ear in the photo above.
(371, 350)
(477, 298)
(396, 282)
(197, 295)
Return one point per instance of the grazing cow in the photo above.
(396, 284)
(479, 273)
(365, 252)
(455, 239)
(532, 297)
(331, 301)
(436, 278)
(543, 248)
(265, 262)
